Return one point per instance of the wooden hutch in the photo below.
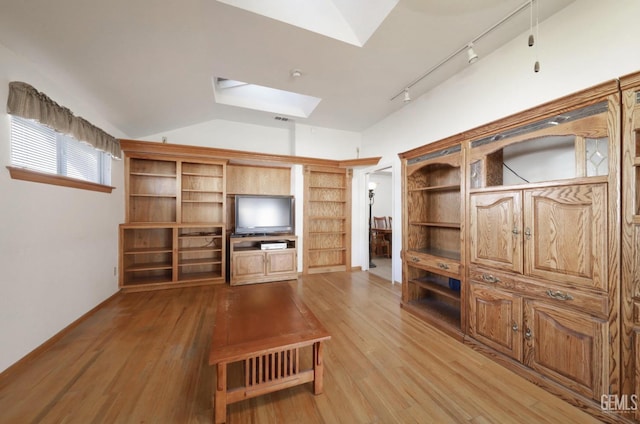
(514, 242)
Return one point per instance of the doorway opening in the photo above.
(381, 220)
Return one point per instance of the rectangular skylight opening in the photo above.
(252, 96)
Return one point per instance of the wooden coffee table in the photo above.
(264, 327)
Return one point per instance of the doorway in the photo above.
(380, 264)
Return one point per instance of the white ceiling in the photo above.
(149, 66)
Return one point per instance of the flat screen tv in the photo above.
(264, 214)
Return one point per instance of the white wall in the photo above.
(230, 135)
(325, 143)
(292, 139)
(382, 200)
(589, 42)
(59, 245)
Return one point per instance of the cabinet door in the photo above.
(567, 347)
(636, 386)
(281, 262)
(496, 319)
(566, 234)
(495, 230)
(247, 266)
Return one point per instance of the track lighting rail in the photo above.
(461, 49)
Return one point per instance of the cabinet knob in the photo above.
(527, 333)
(490, 278)
(559, 295)
(414, 259)
(527, 233)
(514, 327)
(443, 266)
(515, 231)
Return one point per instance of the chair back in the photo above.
(380, 222)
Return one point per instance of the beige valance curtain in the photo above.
(27, 102)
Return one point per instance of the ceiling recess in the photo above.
(350, 21)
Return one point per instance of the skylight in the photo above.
(251, 96)
(350, 21)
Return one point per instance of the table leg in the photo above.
(220, 397)
(318, 367)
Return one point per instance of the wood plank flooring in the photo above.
(143, 358)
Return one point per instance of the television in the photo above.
(259, 214)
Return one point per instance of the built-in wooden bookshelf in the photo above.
(203, 188)
(152, 190)
(432, 236)
(174, 234)
(327, 215)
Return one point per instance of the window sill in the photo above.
(42, 177)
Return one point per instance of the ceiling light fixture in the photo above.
(407, 97)
(531, 39)
(536, 66)
(472, 56)
(463, 48)
(296, 73)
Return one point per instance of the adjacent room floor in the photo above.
(382, 269)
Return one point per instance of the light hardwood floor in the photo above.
(142, 357)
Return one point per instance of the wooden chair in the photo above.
(380, 222)
(379, 242)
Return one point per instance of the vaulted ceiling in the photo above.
(151, 66)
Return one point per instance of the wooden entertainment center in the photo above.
(523, 216)
(252, 263)
(179, 203)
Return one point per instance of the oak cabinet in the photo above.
(257, 266)
(635, 369)
(247, 266)
(495, 319)
(567, 346)
(252, 263)
(630, 290)
(564, 345)
(495, 229)
(554, 233)
(543, 258)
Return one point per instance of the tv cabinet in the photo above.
(251, 264)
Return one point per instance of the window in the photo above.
(39, 148)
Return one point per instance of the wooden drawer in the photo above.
(591, 303)
(438, 264)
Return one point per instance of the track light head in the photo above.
(407, 97)
(471, 54)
